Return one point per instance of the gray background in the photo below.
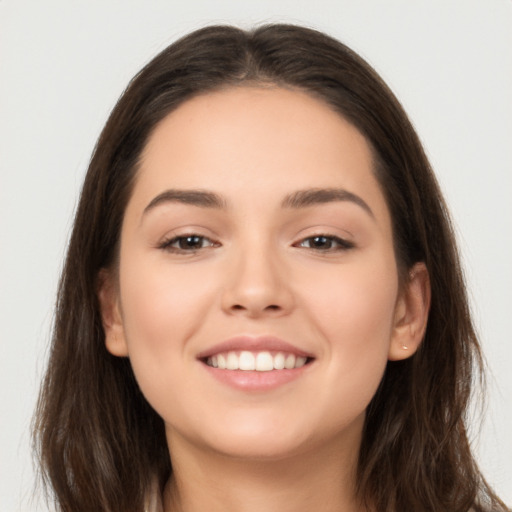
(63, 65)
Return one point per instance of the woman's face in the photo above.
(256, 236)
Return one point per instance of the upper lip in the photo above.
(254, 344)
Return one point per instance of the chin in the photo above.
(252, 436)
(266, 439)
(259, 448)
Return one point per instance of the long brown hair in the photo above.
(100, 443)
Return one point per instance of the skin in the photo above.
(256, 271)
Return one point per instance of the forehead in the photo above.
(267, 140)
(256, 118)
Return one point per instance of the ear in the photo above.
(411, 314)
(108, 296)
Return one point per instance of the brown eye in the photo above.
(187, 243)
(320, 242)
(190, 242)
(325, 243)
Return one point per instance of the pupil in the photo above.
(190, 241)
(320, 241)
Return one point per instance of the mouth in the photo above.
(260, 361)
(255, 363)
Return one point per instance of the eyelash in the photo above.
(168, 245)
(340, 244)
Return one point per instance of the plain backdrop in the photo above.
(63, 65)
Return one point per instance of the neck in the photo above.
(322, 479)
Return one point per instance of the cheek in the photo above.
(161, 310)
(356, 300)
(161, 303)
(364, 311)
(357, 318)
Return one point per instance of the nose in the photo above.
(257, 285)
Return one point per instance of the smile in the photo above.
(263, 361)
(256, 363)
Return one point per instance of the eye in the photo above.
(325, 243)
(187, 243)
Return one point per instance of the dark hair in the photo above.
(99, 441)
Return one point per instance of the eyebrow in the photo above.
(295, 200)
(200, 198)
(314, 196)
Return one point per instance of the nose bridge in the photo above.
(257, 283)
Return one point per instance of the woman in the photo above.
(262, 306)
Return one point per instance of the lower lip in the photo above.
(253, 380)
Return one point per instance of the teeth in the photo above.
(247, 361)
(300, 361)
(232, 361)
(289, 362)
(259, 361)
(279, 361)
(264, 362)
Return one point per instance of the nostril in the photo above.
(270, 308)
(254, 308)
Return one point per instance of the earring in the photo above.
(405, 347)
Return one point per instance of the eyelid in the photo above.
(342, 243)
(167, 243)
